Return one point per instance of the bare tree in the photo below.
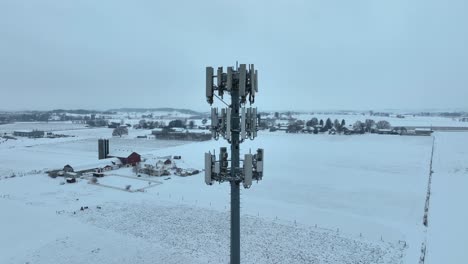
(313, 122)
(191, 124)
(137, 168)
(383, 124)
(120, 131)
(369, 124)
(358, 126)
(337, 124)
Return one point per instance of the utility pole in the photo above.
(235, 123)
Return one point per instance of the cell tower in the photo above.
(235, 123)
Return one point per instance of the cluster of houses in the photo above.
(180, 134)
(403, 131)
(159, 166)
(37, 134)
(163, 166)
(382, 127)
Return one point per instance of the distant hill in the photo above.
(162, 109)
(75, 111)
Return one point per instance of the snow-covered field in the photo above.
(324, 199)
(44, 126)
(447, 233)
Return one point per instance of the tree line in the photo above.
(316, 126)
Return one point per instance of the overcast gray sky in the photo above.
(326, 54)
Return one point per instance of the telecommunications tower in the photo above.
(235, 123)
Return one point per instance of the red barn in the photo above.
(131, 159)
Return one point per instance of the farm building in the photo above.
(127, 159)
(68, 168)
(100, 165)
(29, 133)
(423, 131)
(384, 131)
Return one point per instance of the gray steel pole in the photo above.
(235, 195)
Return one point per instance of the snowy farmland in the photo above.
(324, 199)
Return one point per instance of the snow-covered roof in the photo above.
(24, 131)
(96, 164)
(120, 153)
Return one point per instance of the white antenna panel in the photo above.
(259, 166)
(260, 159)
(248, 170)
(214, 117)
(254, 121)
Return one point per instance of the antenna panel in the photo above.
(228, 124)
(256, 81)
(229, 79)
(243, 132)
(254, 121)
(208, 164)
(223, 121)
(259, 163)
(214, 118)
(220, 77)
(252, 79)
(209, 84)
(242, 81)
(248, 159)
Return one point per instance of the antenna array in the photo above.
(235, 123)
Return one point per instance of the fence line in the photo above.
(422, 258)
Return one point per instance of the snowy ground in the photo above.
(365, 193)
(447, 237)
(144, 227)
